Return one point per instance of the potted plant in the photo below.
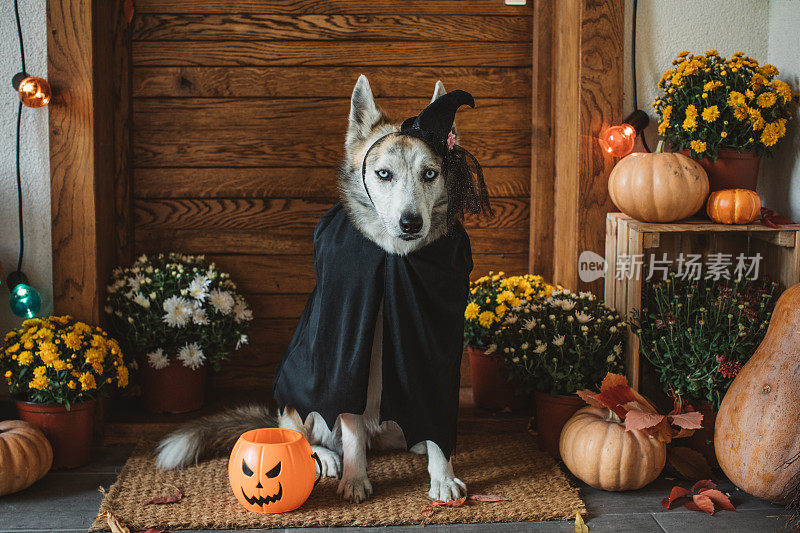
(179, 315)
(725, 113)
(557, 347)
(698, 333)
(490, 299)
(56, 368)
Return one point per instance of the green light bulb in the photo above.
(25, 301)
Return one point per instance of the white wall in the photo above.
(779, 184)
(35, 158)
(767, 30)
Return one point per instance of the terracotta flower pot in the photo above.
(552, 412)
(173, 389)
(731, 170)
(490, 389)
(703, 439)
(69, 432)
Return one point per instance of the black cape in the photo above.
(326, 366)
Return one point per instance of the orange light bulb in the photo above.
(34, 92)
(618, 140)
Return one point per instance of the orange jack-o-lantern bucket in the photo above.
(272, 470)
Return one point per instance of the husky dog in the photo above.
(405, 209)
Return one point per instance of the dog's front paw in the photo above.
(355, 490)
(447, 488)
(329, 461)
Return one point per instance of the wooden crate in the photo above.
(779, 248)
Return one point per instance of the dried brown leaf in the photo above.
(720, 499)
(637, 420)
(689, 463)
(589, 397)
(703, 484)
(452, 503)
(676, 495)
(691, 420)
(429, 511)
(488, 498)
(580, 525)
(700, 502)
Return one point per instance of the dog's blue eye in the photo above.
(430, 174)
(384, 174)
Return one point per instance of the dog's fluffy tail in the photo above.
(210, 436)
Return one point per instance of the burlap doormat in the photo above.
(508, 465)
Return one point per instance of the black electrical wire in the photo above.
(633, 69)
(19, 122)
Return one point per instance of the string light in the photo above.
(618, 140)
(34, 92)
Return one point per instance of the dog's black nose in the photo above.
(410, 223)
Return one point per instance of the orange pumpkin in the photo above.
(596, 448)
(733, 206)
(659, 187)
(272, 470)
(757, 428)
(25, 455)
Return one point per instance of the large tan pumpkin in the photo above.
(25, 455)
(758, 425)
(659, 187)
(598, 450)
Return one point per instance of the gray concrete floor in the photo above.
(68, 501)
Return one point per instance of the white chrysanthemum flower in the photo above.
(192, 356)
(198, 288)
(558, 340)
(529, 324)
(568, 305)
(178, 311)
(157, 359)
(610, 358)
(199, 316)
(617, 348)
(491, 349)
(541, 347)
(583, 318)
(142, 300)
(511, 319)
(242, 341)
(221, 300)
(136, 282)
(524, 346)
(117, 285)
(241, 312)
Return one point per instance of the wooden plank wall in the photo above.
(239, 115)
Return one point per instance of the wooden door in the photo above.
(239, 113)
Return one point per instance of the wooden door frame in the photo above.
(88, 62)
(576, 90)
(578, 52)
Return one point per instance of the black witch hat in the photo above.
(462, 173)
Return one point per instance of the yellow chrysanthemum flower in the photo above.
(768, 70)
(472, 310)
(770, 135)
(72, 340)
(59, 365)
(667, 112)
(87, 381)
(71, 384)
(25, 358)
(500, 310)
(690, 124)
(662, 127)
(766, 99)
(486, 319)
(710, 114)
(783, 90)
(735, 99)
(122, 376)
(698, 146)
(741, 112)
(723, 134)
(39, 382)
(756, 119)
(47, 352)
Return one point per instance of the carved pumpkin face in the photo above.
(272, 470)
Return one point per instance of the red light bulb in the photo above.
(34, 92)
(618, 140)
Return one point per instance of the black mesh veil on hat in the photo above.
(463, 175)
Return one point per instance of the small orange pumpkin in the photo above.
(272, 470)
(733, 206)
(25, 455)
(597, 449)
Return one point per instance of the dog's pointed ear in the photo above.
(364, 113)
(438, 91)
